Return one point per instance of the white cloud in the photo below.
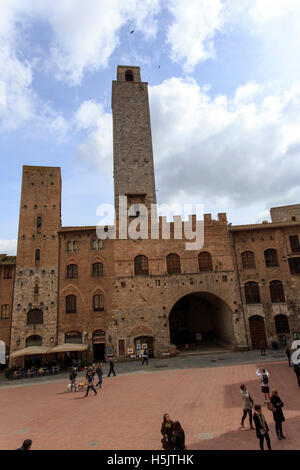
(221, 150)
(247, 92)
(96, 149)
(193, 29)
(8, 247)
(264, 11)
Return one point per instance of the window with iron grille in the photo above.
(35, 317)
(252, 293)
(282, 324)
(294, 264)
(97, 270)
(71, 304)
(72, 271)
(173, 263)
(294, 242)
(271, 258)
(205, 262)
(277, 292)
(248, 260)
(98, 301)
(5, 312)
(141, 265)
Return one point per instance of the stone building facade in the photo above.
(117, 296)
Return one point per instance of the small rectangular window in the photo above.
(157, 282)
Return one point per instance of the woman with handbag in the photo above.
(167, 432)
(247, 405)
(276, 407)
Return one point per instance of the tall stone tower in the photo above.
(34, 320)
(132, 140)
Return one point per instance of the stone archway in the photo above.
(199, 320)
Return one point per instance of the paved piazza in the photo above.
(127, 413)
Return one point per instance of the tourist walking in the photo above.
(145, 357)
(297, 372)
(262, 429)
(111, 367)
(178, 437)
(247, 405)
(99, 372)
(288, 353)
(264, 375)
(167, 432)
(276, 407)
(73, 378)
(262, 348)
(90, 384)
(26, 445)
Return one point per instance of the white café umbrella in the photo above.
(295, 344)
(296, 356)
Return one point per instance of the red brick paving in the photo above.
(127, 413)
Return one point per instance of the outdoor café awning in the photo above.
(31, 350)
(67, 347)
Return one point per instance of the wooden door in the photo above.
(122, 347)
(257, 331)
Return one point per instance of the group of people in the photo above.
(173, 434)
(90, 377)
(274, 404)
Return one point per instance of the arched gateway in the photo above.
(201, 319)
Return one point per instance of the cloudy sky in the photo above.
(224, 87)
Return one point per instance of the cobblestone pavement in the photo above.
(202, 392)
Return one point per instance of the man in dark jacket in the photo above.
(26, 445)
(99, 372)
(111, 367)
(145, 357)
(297, 372)
(262, 429)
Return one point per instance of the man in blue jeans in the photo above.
(90, 384)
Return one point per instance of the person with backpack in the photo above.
(264, 375)
(247, 405)
(262, 429)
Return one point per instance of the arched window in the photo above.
(97, 270)
(282, 324)
(35, 317)
(205, 262)
(252, 293)
(73, 337)
(129, 76)
(71, 304)
(98, 302)
(141, 265)
(70, 246)
(97, 244)
(248, 260)
(37, 257)
(5, 312)
(173, 263)
(39, 223)
(271, 258)
(72, 271)
(277, 292)
(34, 340)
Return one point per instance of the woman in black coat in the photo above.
(178, 438)
(276, 407)
(167, 432)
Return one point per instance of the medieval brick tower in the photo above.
(133, 154)
(34, 321)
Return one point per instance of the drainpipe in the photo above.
(239, 283)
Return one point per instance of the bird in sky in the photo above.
(132, 31)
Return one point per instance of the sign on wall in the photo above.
(129, 351)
